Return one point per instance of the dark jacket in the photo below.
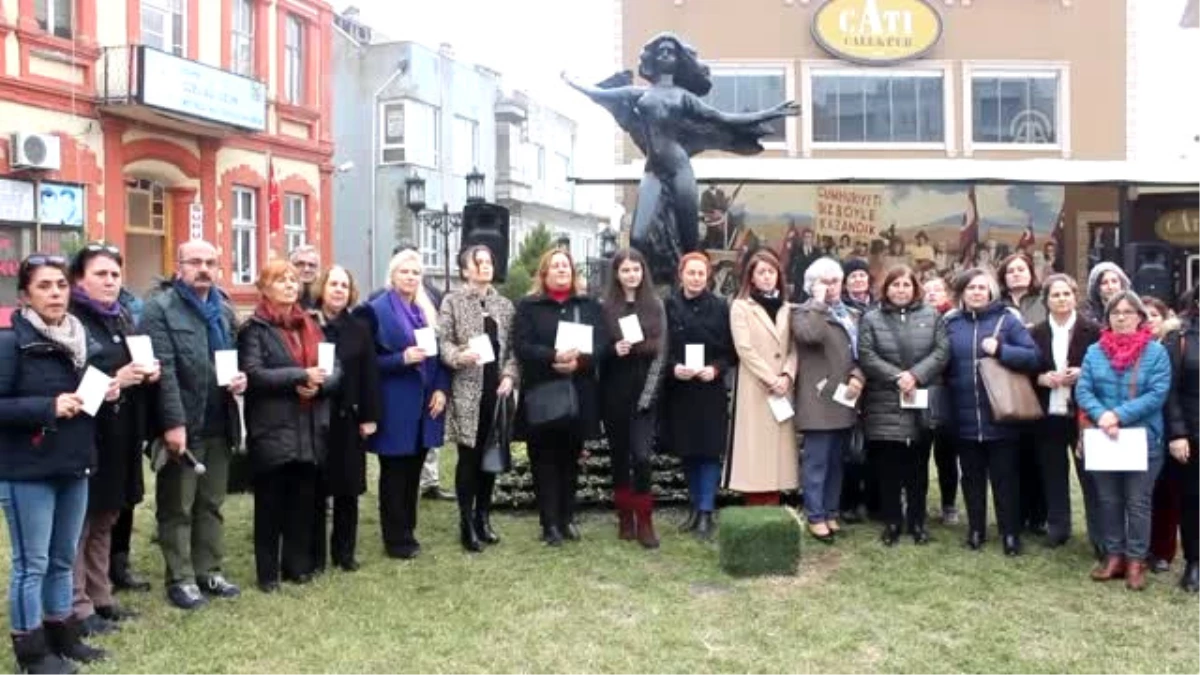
(1083, 335)
(1183, 404)
(34, 443)
(280, 427)
(892, 340)
(696, 414)
(355, 402)
(189, 372)
(121, 426)
(535, 328)
(826, 360)
(971, 412)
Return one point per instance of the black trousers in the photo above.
(1054, 440)
(284, 509)
(1189, 523)
(122, 534)
(903, 467)
(995, 461)
(555, 459)
(343, 539)
(399, 490)
(472, 485)
(630, 466)
(860, 485)
(945, 456)
(1033, 498)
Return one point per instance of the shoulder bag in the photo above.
(1011, 394)
(553, 403)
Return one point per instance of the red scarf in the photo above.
(559, 295)
(300, 332)
(1123, 349)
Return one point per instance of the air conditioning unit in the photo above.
(36, 151)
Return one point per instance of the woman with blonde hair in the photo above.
(413, 389)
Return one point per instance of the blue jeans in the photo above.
(45, 519)
(1124, 500)
(822, 469)
(703, 475)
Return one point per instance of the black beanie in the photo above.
(850, 265)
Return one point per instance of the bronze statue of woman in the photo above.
(670, 123)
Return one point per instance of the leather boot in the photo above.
(467, 535)
(626, 525)
(705, 527)
(551, 535)
(122, 576)
(64, 640)
(1190, 581)
(1113, 567)
(34, 656)
(1135, 575)
(483, 527)
(645, 520)
(890, 535)
(690, 524)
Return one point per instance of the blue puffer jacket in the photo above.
(971, 414)
(1101, 389)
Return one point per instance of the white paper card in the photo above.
(141, 350)
(92, 390)
(918, 399)
(426, 340)
(781, 408)
(227, 366)
(571, 335)
(1126, 453)
(631, 329)
(693, 357)
(841, 396)
(325, 357)
(482, 345)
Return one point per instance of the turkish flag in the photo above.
(274, 202)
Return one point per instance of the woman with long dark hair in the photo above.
(630, 382)
(1183, 419)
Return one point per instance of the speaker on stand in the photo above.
(486, 224)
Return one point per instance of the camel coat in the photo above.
(763, 455)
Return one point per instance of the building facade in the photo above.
(146, 123)
(402, 109)
(951, 79)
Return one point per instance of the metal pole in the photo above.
(446, 253)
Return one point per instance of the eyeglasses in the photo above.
(97, 247)
(202, 262)
(39, 259)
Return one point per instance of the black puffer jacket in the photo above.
(1183, 405)
(892, 340)
(280, 427)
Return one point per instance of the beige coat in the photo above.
(763, 455)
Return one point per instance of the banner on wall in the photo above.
(852, 211)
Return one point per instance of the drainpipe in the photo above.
(401, 68)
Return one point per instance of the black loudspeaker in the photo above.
(1148, 265)
(487, 224)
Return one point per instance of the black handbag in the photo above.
(553, 403)
(496, 455)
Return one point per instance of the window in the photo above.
(465, 136)
(145, 208)
(1015, 108)
(56, 17)
(432, 245)
(295, 226)
(242, 38)
(541, 163)
(748, 90)
(162, 25)
(245, 235)
(293, 61)
(866, 107)
(410, 133)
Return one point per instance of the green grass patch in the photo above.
(759, 540)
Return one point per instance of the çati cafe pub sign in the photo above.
(877, 32)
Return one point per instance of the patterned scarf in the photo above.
(842, 313)
(1123, 349)
(70, 334)
(300, 332)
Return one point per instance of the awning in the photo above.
(768, 170)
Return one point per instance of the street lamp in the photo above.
(443, 222)
(608, 242)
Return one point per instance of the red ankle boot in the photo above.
(626, 527)
(645, 520)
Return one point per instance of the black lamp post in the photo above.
(608, 242)
(443, 222)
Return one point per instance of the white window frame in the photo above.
(240, 227)
(839, 68)
(473, 140)
(295, 221)
(383, 135)
(50, 26)
(173, 12)
(429, 242)
(1061, 69)
(790, 130)
(238, 36)
(293, 60)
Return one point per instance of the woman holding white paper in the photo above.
(553, 373)
(903, 350)
(695, 398)
(1123, 384)
(481, 375)
(121, 428)
(287, 425)
(762, 457)
(630, 382)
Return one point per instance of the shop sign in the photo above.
(877, 32)
(1180, 227)
(201, 91)
(196, 221)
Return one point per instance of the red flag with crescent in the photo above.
(274, 203)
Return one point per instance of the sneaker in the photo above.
(950, 516)
(217, 586)
(185, 596)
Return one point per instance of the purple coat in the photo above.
(405, 390)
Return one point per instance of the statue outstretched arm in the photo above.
(698, 107)
(602, 95)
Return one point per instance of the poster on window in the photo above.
(938, 229)
(60, 204)
(15, 244)
(16, 201)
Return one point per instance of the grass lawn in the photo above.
(604, 605)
